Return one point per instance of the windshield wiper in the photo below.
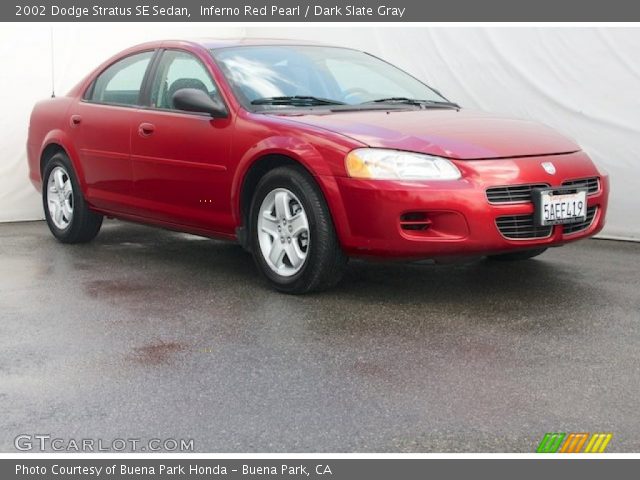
(414, 101)
(296, 101)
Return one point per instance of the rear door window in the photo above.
(120, 84)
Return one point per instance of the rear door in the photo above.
(181, 159)
(101, 130)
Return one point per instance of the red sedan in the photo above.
(306, 155)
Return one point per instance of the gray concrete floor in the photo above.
(150, 334)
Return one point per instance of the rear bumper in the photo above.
(455, 218)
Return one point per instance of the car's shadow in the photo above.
(487, 290)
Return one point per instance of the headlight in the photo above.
(383, 164)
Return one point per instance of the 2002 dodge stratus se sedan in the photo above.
(306, 155)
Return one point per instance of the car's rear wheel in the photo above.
(515, 256)
(65, 209)
(293, 239)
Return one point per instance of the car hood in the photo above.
(457, 134)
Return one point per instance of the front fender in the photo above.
(296, 149)
(307, 155)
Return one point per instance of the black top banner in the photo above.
(319, 11)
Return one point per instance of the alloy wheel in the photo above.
(283, 232)
(60, 197)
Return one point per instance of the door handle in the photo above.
(146, 129)
(75, 120)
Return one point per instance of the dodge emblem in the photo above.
(549, 168)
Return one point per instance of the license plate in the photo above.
(555, 207)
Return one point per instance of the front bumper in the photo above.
(455, 218)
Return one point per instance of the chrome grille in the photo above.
(591, 184)
(522, 193)
(521, 227)
(578, 227)
(513, 193)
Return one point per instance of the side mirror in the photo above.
(194, 100)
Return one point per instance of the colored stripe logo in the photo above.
(574, 443)
(598, 443)
(550, 443)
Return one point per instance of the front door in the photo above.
(181, 160)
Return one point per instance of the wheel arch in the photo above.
(58, 142)
(255, 172)
(253, 169)
(49, 151)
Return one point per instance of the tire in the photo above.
(516, 256)
(68, 215)
(291, 261)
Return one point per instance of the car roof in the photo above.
(215, 43)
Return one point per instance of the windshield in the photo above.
(302, 76)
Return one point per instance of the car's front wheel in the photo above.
(293, 239)
(65, 209)
(515, 256)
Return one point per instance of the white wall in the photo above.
(25, 78)
(584, 82)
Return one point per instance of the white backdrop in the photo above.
(585, 82)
